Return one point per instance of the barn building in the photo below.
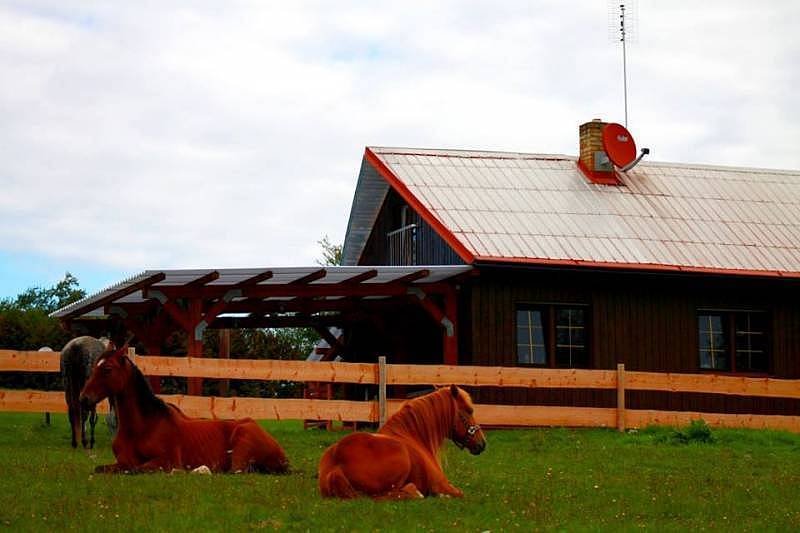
(516, 259)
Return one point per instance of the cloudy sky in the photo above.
(140, 135)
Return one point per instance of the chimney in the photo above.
(593, 160)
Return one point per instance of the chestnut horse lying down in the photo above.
(402, 459)
(153, 435)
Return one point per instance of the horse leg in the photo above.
(92, 424)
(84, 416)
(73, 414)
(408, 492)
(442, 487)
(253, 450)
(336, 484)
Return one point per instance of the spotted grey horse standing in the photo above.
(78, 357)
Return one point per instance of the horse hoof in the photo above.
(202, 469)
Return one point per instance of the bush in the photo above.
(696, 432)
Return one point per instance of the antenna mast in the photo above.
(622, 25)
(624, 58)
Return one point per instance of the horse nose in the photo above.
(479, 447)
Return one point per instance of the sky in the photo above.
(144, 135)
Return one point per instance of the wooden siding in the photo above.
(431, 248)
(648, 322)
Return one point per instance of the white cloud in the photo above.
(203, 134)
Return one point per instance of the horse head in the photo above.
(109, 376)
(466, 433)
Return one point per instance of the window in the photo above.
(530, 337)
(552, 335)
(741, 333)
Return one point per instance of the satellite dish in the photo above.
(618, 143)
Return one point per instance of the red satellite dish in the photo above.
(618, 143)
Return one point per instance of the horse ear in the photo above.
(454, 391)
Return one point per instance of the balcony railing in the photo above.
(402, 244)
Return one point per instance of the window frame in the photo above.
(729, 322)
(549, 327)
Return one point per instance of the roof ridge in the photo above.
(499, 154)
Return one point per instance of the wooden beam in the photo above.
(204, 280)
(332, 341)
(258, 278)
(391, 288)
(262, 369)
(308, 278)
(364, 276)
(180, 316)
(267, 321)
(412, 277)
(139, 285)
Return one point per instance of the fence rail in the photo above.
(403, 374)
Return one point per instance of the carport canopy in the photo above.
(156, 302)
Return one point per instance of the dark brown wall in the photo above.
(431, 248)
(648, 322)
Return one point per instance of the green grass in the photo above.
(527, 479)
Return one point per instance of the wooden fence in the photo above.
(402, 374)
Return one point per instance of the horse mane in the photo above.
(148, 402)
(427, 420)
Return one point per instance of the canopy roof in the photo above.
(245, 290)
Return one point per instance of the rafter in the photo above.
(364, 276)
(204, 280)
(255, 280)
(308, 278)
(138, 286)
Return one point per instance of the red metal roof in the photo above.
(540, 209)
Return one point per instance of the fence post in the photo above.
(621, 397)
(382, 390)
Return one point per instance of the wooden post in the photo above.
(451, 328)
(154, 348)
(194, 348)
(382, 390)
(621, 397)
(224, 353)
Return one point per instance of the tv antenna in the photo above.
(622, 27)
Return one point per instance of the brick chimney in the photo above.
(593, 160)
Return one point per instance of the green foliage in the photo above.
(527, 480)
(697, 432)
(280, 343)
(52, 298)
(331, 253)
(25, 325)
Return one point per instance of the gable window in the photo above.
(552, 336)
(733, 341)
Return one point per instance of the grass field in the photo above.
(527, 479)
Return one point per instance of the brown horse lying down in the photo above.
(402, 459)
(153, 435)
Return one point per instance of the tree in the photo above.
(52, 298)
(331, 253)
(25, 324)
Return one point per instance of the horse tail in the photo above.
(332, 481)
